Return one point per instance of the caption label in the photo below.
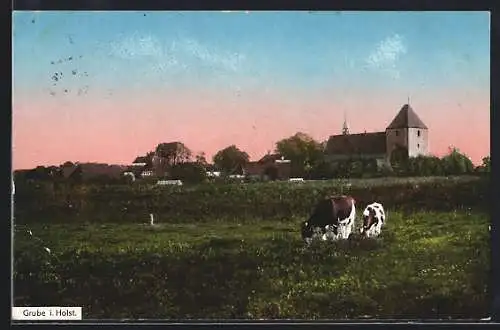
(46, 313)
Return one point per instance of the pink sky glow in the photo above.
(50, 131)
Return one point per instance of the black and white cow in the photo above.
(332, 218)
(373, 220)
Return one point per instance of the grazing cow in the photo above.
(373, 220)
(332, 217)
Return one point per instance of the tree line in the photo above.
(307, 157)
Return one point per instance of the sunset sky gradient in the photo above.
(212, 79)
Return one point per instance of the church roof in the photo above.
(406, 118)
(350, 144)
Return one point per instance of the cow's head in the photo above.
(369, 219)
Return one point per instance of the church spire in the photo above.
(345, 128)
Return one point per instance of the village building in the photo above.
(405, 133)
(269, 167)
(92, 171)
(141, 167)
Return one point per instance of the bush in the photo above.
(485, 167)
(277, 200)
(189, 172)
(424, 166)
(456, 163)
(321, 170)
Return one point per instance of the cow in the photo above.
(333, 218)
(374, 219)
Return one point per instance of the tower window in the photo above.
(397, 133)
(418, 145)
(418, 132)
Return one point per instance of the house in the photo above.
(271, 167)
(38, 173)
(405, 132)
(141, 167)
(213, 174)
(147, 173)
(91, 171)
(169, 182)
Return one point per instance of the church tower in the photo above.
(345, 128)
(407, 132)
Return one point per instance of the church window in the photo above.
(418, 145)
(418, 133)
(397, 133)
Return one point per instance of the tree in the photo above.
(456, 163)
(321, 170)
(40, 173)
(201, 159)
(170, 154)
(173, 152)
(230, 159)
(424, 166)
(487, 163)
(370, 167)
(302, 150)
(342, 169)
(189, 172)
(356, 168)
(399, 160)
(271, 172)
(434, 165)
(485, 166)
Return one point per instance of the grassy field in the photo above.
(428, 263)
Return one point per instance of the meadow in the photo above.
(234, 251)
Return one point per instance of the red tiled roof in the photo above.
(141, 159)
(269, 158)
(67, 171)
(364, 143)
(406, 118)
(90, 170)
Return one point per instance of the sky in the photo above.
(109, 86)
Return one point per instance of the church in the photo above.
(405, 132)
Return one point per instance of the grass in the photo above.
(425, 265)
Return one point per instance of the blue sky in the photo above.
(288, 48)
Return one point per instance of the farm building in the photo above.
(90, 171)
(141, 167)
(271, 166)
(406, 133)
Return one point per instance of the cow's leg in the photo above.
(348, 230)
(378, 227)
(341, 231)
(350, 222)
(345, 230)
(316, 233)
(329, 232)
(324, 235)
(334, 232)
